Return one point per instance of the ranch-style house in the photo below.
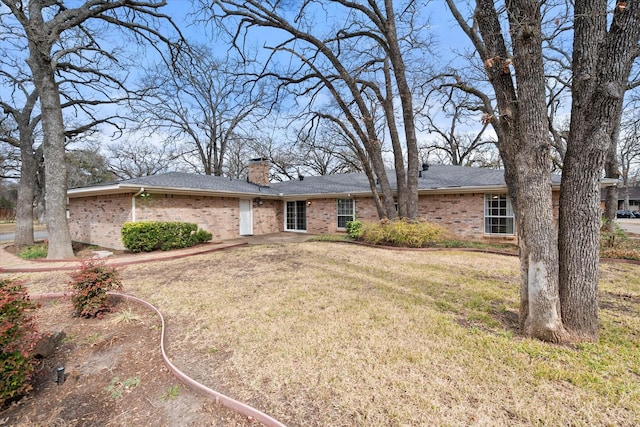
(470, 202)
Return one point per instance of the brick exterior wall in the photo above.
(218, 215)
(322, 216)
(268, 217)
(462, 214)
(97, 220)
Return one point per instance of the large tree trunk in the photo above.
(601, 65)
(611, 170)
(410, 186)
(524, 146)
(54, 150)
(26, 194)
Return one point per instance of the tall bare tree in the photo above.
(604, 51)
(355, 63)
(21, 135)
(86, 165)
(559, 286)
(455, 135)
(45, 25)
(522, 128)
(203, 102)
(135, 155)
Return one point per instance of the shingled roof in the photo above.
(443, 178)
(437, 178)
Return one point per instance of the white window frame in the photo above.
(343, 215)
(498, 215)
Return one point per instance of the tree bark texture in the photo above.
(43, 69)
(26, 194)
(524, 147)
(410, 182)
(28, 173)
(602, 63)
(54, 160)
(611, 170)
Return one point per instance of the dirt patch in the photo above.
(114, 375)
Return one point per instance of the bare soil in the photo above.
(114, 376)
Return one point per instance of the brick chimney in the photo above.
(259, 171)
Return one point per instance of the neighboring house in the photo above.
(634, 198)
(470, 202)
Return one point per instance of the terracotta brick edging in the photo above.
(235, 405)
(47, 265)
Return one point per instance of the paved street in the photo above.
(38, 235)
(630, 225)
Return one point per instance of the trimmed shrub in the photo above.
(18, 337)
(89, 287)
(403, 233)
(354, 229)
(149, 236)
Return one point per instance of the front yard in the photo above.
(321, 333)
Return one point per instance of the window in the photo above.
(345, 212)
(296, 215)
(498, 214)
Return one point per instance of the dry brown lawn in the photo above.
(330, 334)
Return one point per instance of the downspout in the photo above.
(133, 204)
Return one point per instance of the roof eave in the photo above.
(131, 188)
(97, 191)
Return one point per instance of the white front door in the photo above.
(246, 217)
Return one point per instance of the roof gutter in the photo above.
(133, 204)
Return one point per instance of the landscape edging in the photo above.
(192, 384)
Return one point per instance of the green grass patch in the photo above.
(34, 251)
(334, 237)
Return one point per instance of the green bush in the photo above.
(354, 229)
(149, 236)
(89, 287)
(18, 337)
(403, 233)
(33, 251)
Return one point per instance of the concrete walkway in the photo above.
(10, 263)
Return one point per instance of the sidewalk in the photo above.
(9, 263)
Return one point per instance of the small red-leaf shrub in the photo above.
(89, 287)
(18, 337)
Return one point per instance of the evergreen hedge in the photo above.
(149, 236)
